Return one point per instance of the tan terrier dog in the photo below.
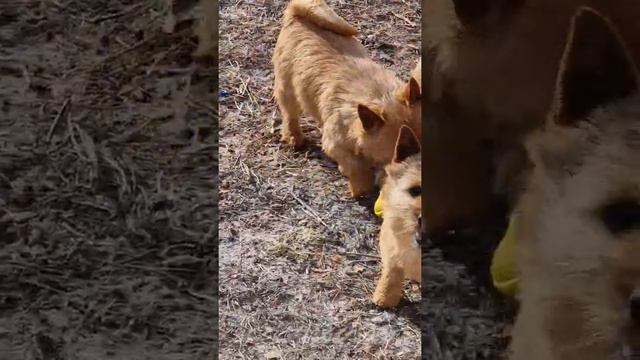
(580, 236)
(322, 70)
(402, 208)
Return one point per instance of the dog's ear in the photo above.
(410, 93)
(370, 119)
(595, 69)
(407, 144)
(472, 12)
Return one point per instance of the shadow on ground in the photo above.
(107, 177)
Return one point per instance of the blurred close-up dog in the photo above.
(491, 69)
(580, 234)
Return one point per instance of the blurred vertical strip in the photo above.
(206, 56)
(423, 227)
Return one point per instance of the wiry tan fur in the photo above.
(323, 71)
(399, 250)
(207, 32)
(577, 274)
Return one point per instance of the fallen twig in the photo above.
(56, 120)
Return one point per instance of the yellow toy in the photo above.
(377, 207)
(503, 267)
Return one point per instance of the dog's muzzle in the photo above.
(419, 231)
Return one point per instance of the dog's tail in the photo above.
(320, 14)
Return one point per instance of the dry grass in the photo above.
(298, 257)
(107, 177)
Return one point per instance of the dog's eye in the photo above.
(621, 216)
(415, 191)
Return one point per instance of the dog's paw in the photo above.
(389, 288)
(295, 141)
(386, 300)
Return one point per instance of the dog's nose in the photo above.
(634, 306)
(423, 228)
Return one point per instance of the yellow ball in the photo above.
(377, 207)
(503, 267)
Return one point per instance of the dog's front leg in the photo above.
(389, 289)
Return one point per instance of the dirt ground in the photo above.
(298, 258)
(108, 162)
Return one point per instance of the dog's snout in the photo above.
(634, 306)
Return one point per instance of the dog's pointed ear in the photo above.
(410, 93)
(370, 119)
(470, 12)
(595, 69)
(407, 144)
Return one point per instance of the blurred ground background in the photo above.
(107, 174)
